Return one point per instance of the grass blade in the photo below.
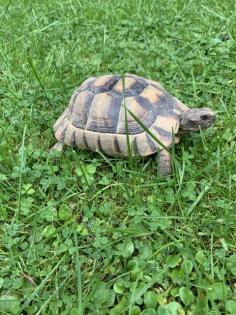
(147, 130)
(38, 78)
(126, 120)
(202, 193)
(79, 278)
(42, 284)
(52, 295)
(21, 169)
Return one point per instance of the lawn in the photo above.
(82, 233)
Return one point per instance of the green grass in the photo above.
(85, 234)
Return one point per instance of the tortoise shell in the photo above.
(97, 118)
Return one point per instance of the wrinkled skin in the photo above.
(195, 119)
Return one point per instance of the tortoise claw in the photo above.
(57, 147)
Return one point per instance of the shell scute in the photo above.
(167, 123)
(130, 86)
(151, 94)
(79, 110)
(156, 85)
(86, 85)
(104, 83)
(104, 113)
(143, 111)
(128, 82)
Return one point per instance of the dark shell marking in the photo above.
(163, 132)
(85, 141)
(63, 134)
(135, 147)
(151, 143)
(73, 140)
(116, 145)
(99, 145)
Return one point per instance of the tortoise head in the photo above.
(194, 119)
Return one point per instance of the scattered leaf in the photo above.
(231, 306)
(49, 231)
(150, 299)
(186, 295)
(64, 212)
(217, 291)
(172, 261)
(172, 308)
(9, 304)
(200, 257)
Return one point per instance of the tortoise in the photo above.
(106, 109)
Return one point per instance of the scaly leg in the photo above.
(165, 163)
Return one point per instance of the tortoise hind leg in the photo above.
(57, 147)
(165, 163)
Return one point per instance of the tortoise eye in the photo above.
(204, 117)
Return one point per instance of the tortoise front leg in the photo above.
(165, 163)
(57, 147)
